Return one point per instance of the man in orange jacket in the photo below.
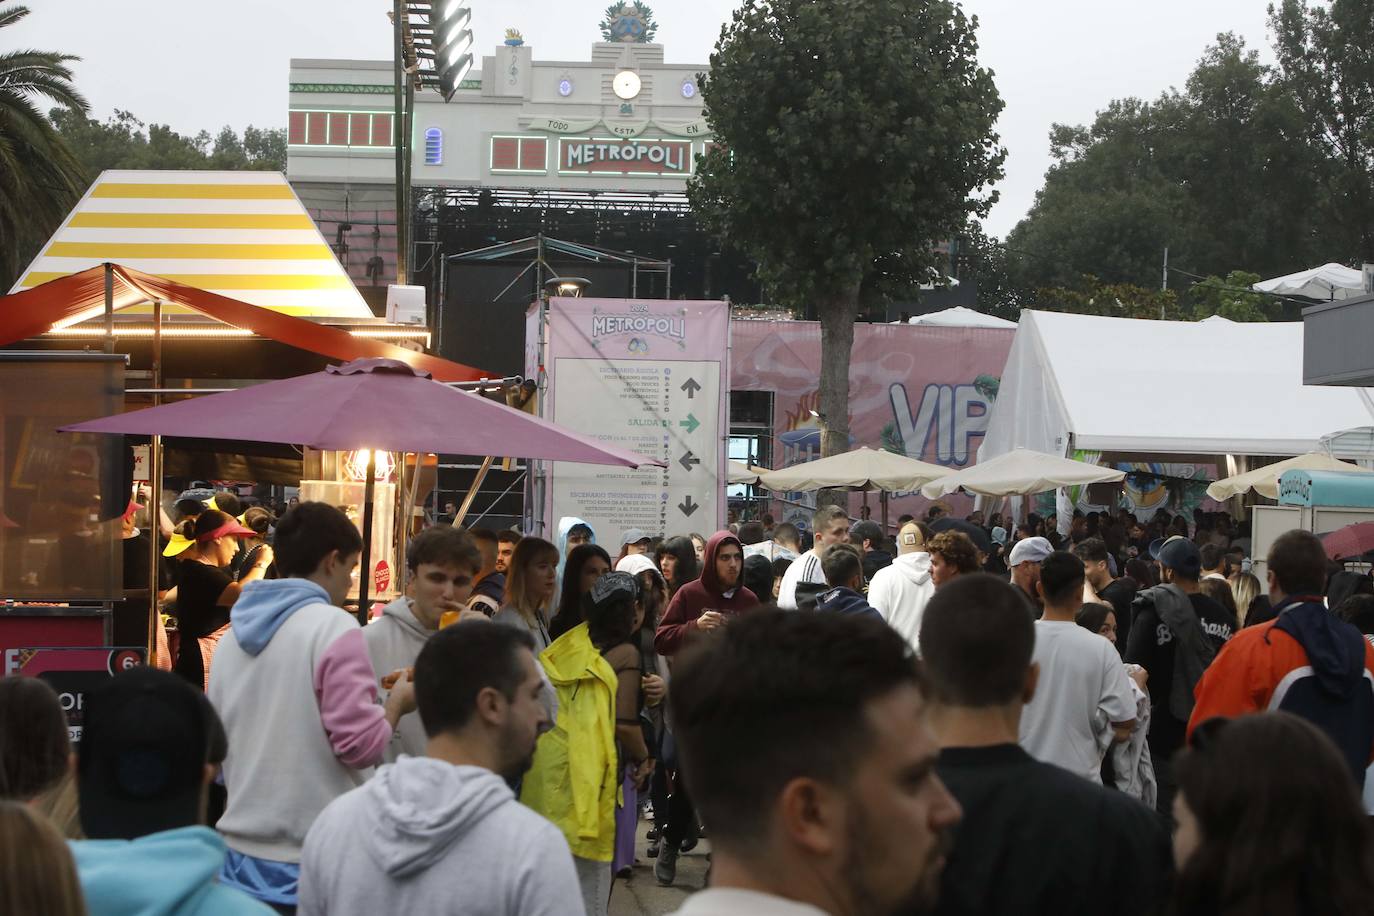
(1306, 661)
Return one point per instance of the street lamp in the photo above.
(570, 287)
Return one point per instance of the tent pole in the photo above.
(472, 491)
(109, 307)
(154, 478)
(365, 571)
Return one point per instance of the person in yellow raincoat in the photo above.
(574, 778)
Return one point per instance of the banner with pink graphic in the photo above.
(921, 391)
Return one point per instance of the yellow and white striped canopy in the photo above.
(244, 235)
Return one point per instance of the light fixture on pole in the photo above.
(568, 287)
(450, 21)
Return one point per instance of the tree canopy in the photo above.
(122, 141)
(849, 139)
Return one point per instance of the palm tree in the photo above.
(40, 179)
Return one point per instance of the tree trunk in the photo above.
(838, 312)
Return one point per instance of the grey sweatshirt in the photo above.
(424, 836)
(394, 640)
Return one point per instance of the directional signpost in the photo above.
(648, 375)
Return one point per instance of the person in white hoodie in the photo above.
(443, 833)
(443, 563)
(295, 689)
(900, 591)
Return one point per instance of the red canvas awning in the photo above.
(81, 297)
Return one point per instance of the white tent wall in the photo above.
(1163, 388)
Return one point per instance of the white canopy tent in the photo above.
(1021, 472)
(1163, 388)
(1328, 283)
(960, 317)
(1265, 480)
(862, 469)
(745, 473)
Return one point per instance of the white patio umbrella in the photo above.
(745, 473)
(1327, 283)
(862, 469)
(1265, 480)
(1021, 472)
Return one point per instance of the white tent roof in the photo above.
(1328, 282)
(960, 317)
(1163, 387)
(862, 469)
(1021, 472)
(745, 473)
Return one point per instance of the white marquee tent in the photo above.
(1163, 387)
(960, 317)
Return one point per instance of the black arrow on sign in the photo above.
(688, 507)
(691, 386)
(687, 461)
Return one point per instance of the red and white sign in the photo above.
(381, 577)
(601, 156)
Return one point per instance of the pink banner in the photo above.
(921, 391)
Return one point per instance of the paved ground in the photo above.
(641, 895)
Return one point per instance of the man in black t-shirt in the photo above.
(1035, 838)
(1119, 593)
(1176, 631)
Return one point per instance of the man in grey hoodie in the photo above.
(443, 563)
(443, 833)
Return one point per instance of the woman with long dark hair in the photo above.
(585, 565)
(1269, 821)
(677, 559)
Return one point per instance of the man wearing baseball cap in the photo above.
(149, 749)
(1024, 561)
(1176, 631)
(868, 537)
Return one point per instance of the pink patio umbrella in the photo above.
(376, 404)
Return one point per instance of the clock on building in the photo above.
(626, 84)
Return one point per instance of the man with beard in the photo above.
(425, 829)
(1035, 838)
(805, 745)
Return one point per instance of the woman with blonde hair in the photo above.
(530, 584)
(1245, 588)
(37, 874)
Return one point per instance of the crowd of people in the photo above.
(970, 717)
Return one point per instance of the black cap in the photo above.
(977, 535)
(146, 738)
(1181, 555)
(866, 531)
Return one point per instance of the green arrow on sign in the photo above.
(691, 423)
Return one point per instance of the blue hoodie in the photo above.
(172, 873)
(844, 600)
(265, 604)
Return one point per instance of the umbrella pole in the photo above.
(154, 478)
(472, 492)
(365, 573)
(882, 499)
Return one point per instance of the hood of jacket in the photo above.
(133, 876)
(418, 807)
(709, 579)
(572, 657)
(1335, 649)
(402, 613)
(566, 524)
(912, 567)
(844, 600)
(265, 604)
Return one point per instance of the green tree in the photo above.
(850, 137)
(1231, 297)
(1327, 63)
(1090, 296)
(39, 177)
(1221, 174)
(122, 141)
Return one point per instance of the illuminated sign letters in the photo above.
(624, 157)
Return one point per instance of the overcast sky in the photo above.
(198, 65)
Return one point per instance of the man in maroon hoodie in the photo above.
(709, 601)
(699, 606)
